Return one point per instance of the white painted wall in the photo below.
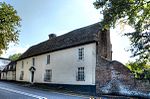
(64, 65)
(3, 75)
(27, 65)
(10, 75)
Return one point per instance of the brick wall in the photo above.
(112, 77)
(104, 44)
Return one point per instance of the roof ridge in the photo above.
(66, 33)
(75, 37)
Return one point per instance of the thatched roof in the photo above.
(76, 37)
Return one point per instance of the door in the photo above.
(32, 70)
(32, 76)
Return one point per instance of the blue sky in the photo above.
(42, 17)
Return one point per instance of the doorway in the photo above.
(32, 70)
(32, 76)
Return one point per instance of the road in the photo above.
(14, 91)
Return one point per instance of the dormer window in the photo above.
(81, 53)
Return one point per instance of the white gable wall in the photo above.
(3, 75)
(27, 65)
(64, 65)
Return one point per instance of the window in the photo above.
(81, 53)
(80, 74)
(9, 67)
(21, 75)
(14, 66)
(13, 75)
(48, 75)
(48, 59)
(22, 64)
(33, 61)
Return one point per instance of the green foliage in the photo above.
(9, 22)
(135, 13)
(140, 69)
(14, 57)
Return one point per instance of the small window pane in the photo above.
(33, 61)
(48, 59)
(48, 75)
(80, 74)
(81, 53)
(21, 75)
(22, 64)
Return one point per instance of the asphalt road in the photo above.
(14, 91)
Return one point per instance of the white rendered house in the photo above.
(3, 63)
(9, 72)
(80, 61)
(69, 59)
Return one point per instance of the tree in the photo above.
(14, 57)
(9, 23)
(135, 13)
(140, 69)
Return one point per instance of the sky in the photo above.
(43, 17)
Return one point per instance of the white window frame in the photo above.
(14, 66)
(21, 75)
(48, 75)
(48, 59)
(22, 63)
(80, 74)
(33, 61)
(81, 54)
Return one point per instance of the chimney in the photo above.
(51, 36)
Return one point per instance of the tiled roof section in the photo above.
(77, 37)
